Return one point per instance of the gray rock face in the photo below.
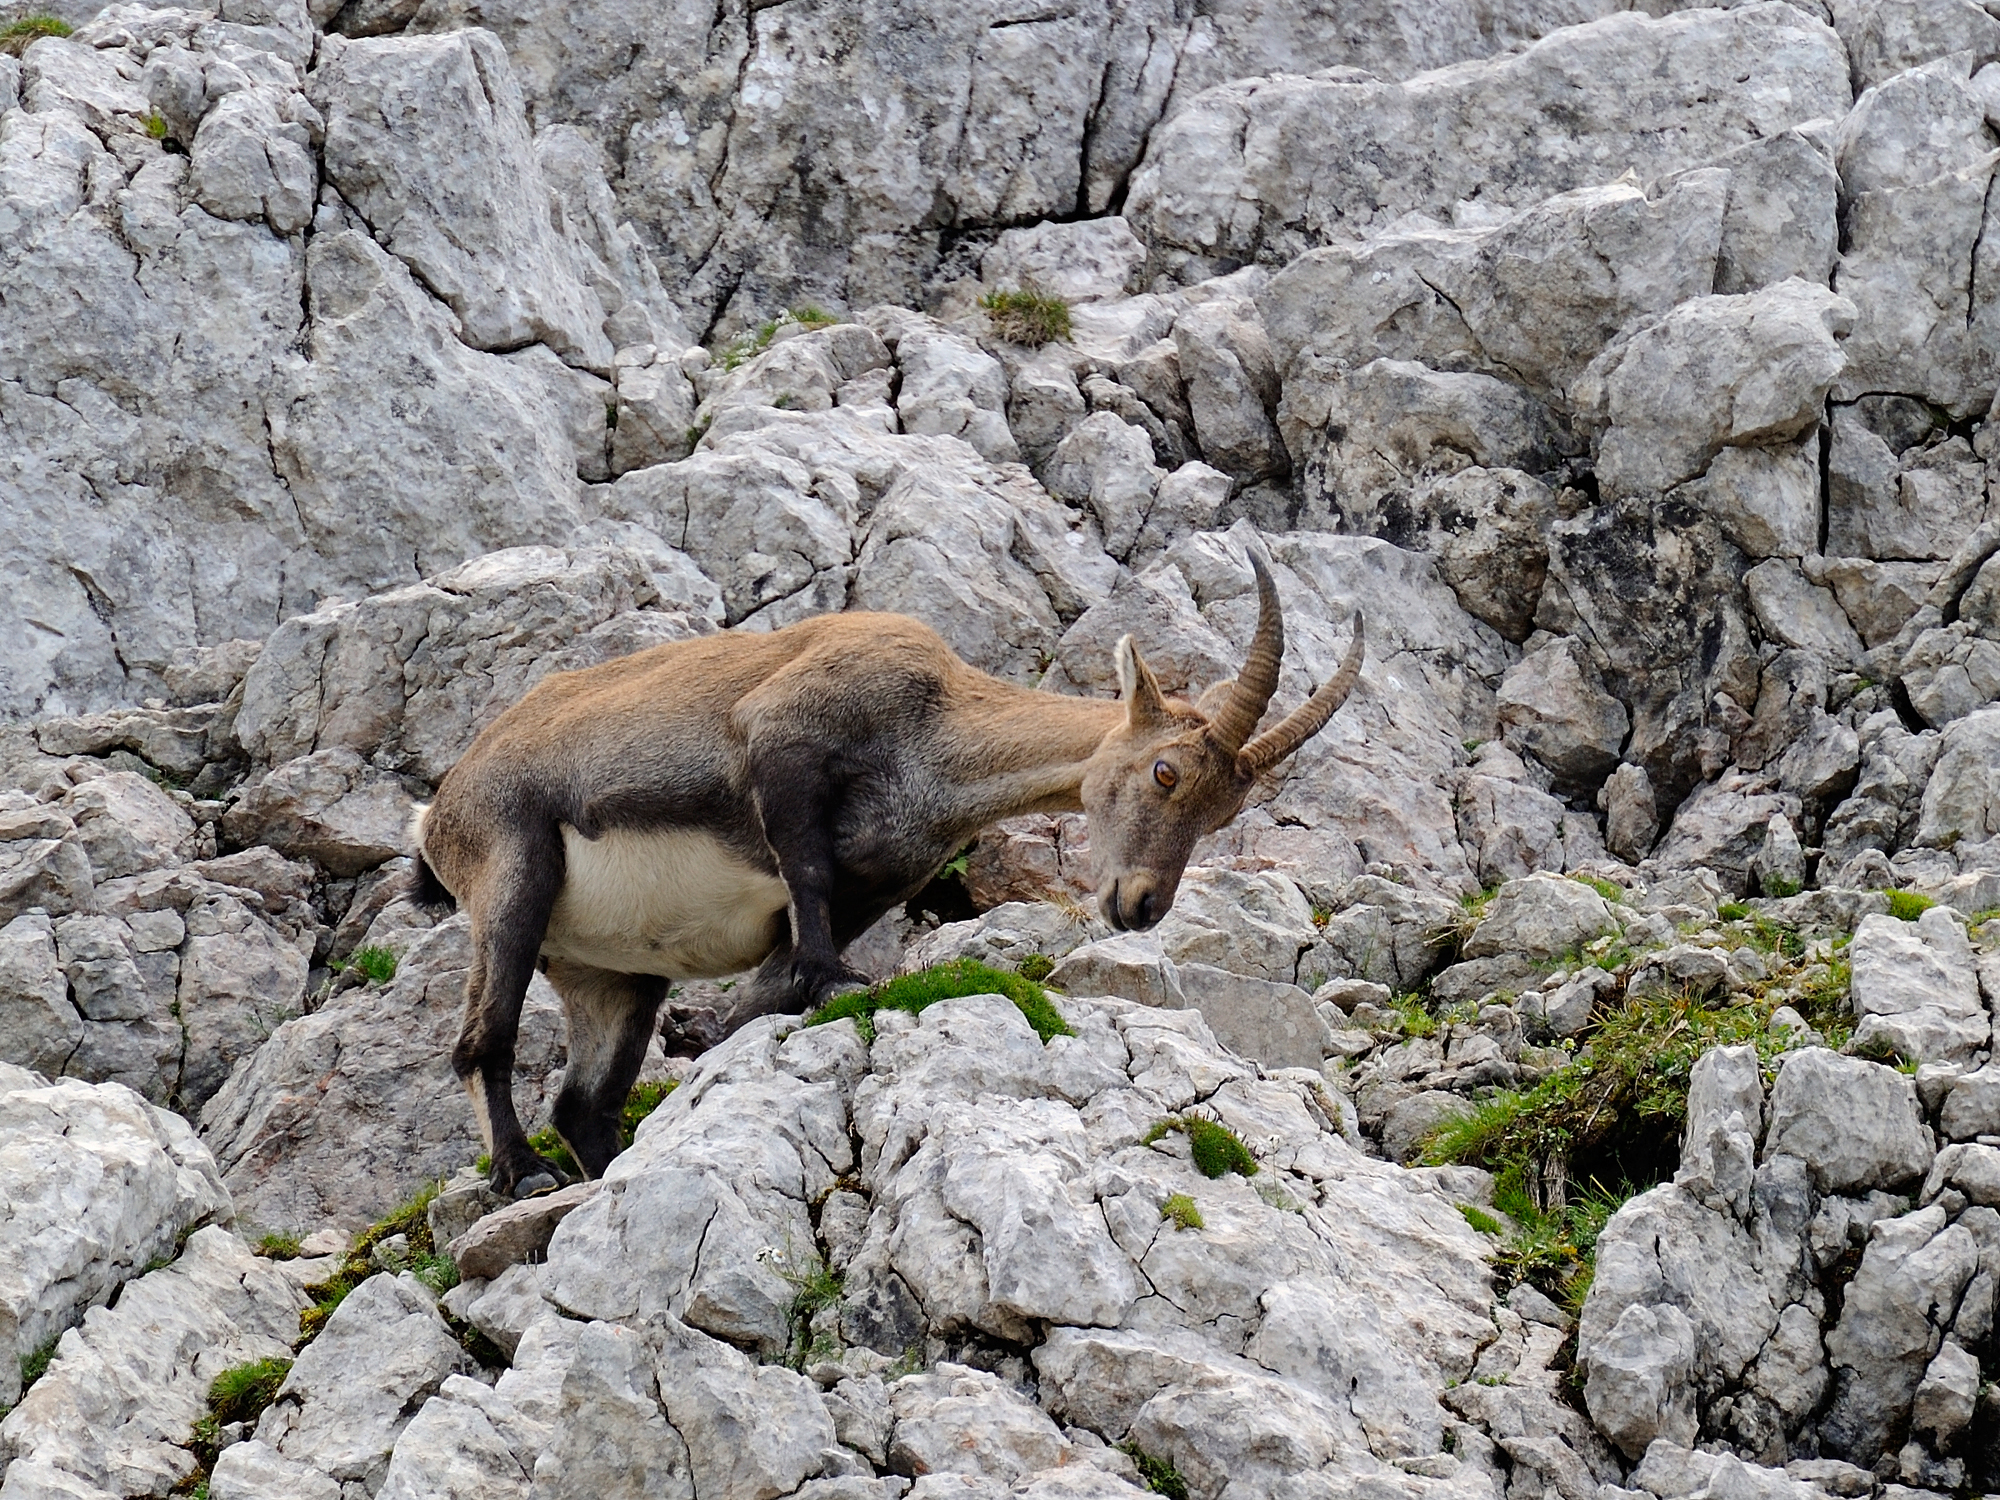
(1205, 191)
(356, 1102)
(1540, 917)
(98, 1184)
(1916, 989)
(1855, 1124)
(134, 1376)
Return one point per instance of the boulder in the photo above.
(1916, 988)
(1540, 917)
(1553, 708)
(99, 1184)
(355, 1107)
(1713, 373)
(1855, 1124)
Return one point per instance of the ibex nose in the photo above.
(1133, 904)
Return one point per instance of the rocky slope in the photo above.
(1634, 373)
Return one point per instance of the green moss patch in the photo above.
(1180, 1211)
(1907, 906)
(16, 35)
(953, 981)
(1217, 1150)
(1157, 1474)
(1030, 316)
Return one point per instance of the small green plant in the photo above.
(1907, 906)
(410, 1220)
(1778, 887)
(1157, 1474)
(241, 1394)
(35, 1363)
(278, 1247)
(696, 433)
(16, 35)
(1180, 1211)
(1481, 1220)
(376, 965)
(1415, 1016)
(156, 125)
(916, 992)
(1456, 931)
(747, 346)
(1603, 888)
(1035, 967)
(641, 1102)
(816, 1286)
(1217, 1150)
(1734, 911)
(1029, 316)
(438, 1272)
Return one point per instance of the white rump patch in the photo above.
(674, 903)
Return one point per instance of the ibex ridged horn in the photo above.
(1259, 678)
(1310, 717)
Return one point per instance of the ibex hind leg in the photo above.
(509, 918)
(610, 1019)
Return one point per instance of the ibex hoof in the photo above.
(535, 1184)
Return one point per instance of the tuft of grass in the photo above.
(376, 965)
(1180, 1211)
(1907, 906)
(278, 1247)
(1481, 1220)
(1456, 931)
(1035, 967)
(35, 1363)
(409, 1220)
(816, 1286)
(1157, 1474)
(156, 125)
(241, 1394)
(1734, 911)
(1030, 316)
(1217, 1149)
(1778, 886)
(1415, 1016)
(1603, 888)
(641, 1102)
(16, 35)
(747, 346)
(963, 976)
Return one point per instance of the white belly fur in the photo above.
(675, 903)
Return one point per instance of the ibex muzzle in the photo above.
(758, 801)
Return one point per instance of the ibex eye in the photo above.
(1165, 774)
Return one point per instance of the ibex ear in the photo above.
(1144, 705)
(1214, 696)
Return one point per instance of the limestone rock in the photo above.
(1854, 1123)
(1441, 138)
(1915, 987)
(1715, 372)
(99, 1183)
(1540, 917)
(356, 1104)
(1553, 708)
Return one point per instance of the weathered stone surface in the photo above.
(99, 1183)
(1855, 1124)
(1540, 917)
(1916, 989)
(1713, 373)
(356, 1104)
(514, 1233)
(1553, 708)
(355, 1387)
(1209, 189)
(129, 1383)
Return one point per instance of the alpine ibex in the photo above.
(745, 800)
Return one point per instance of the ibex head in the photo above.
(1174, 771)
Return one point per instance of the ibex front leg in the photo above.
(510, 916)
(795, 801)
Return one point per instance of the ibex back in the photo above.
(745, 801)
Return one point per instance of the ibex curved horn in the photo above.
(1310, 717)
(1259, 678)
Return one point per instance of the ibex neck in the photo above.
(1012, 750)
